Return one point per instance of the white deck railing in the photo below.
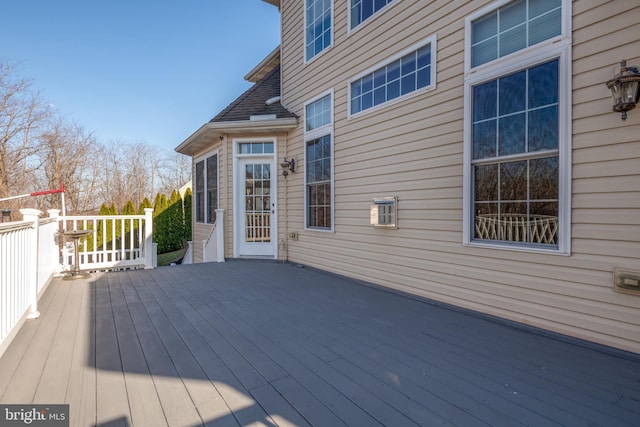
(32, 251)
(213, 246)
(115, 241)
(18, 274)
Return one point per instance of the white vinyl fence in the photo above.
(114, 241)
(18, 274)
(32, 251)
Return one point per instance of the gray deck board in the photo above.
(26, 377)
(380, 381)
(57, 366)
(111, 390)
(258, 343)
(144, 403)
(80, 393)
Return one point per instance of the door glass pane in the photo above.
(258, 203)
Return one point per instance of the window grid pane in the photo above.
(517, 114)
(402, 77)
(318, 31)
(200, 191)
(318, 175)
(513, 27)
(318, 113)
(361, 10)
(255, 148)
(212, 188)
(525, 125)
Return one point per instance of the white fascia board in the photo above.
(211, 129)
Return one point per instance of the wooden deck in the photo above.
(258, 343)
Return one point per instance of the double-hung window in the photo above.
(318, 123)
(361, 10)
(207, 189)
(517, 126)
(318, 23)
(410, 72)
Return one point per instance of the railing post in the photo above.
(148, 238)
(155, 254)
(188, 258)
(220, 235)
(32, 215)
(55, 249)
(204, 251)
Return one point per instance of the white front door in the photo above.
(256, 207)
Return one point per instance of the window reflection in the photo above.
(517, 114)
(517, 201)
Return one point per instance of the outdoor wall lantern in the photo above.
(288, 166)
(624, 89)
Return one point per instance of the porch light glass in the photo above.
(624, 89)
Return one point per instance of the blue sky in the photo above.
(138, 70)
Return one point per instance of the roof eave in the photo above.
(212, 130)
(269, 63)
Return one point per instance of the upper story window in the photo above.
(513, 27)
(361, 10)
(317, 114)
(207, 189)
(318, 27)
(409, 72)
(319, 163)
(517, 127)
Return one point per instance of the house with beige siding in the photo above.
(465, 152)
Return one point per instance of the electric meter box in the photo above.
(384, 212)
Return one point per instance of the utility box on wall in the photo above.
(384, 212)
(626, 281)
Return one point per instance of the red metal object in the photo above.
(45, 192)
(37, 193)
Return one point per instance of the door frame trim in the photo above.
(237, 233)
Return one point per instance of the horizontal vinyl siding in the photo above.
(413, 149)
(606, 150)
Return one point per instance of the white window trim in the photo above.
(434, 49)
(203, 158)
(369, 19)
(313, 134)
(560, 48)
(333, 36)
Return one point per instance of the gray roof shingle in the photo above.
(253, 101)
